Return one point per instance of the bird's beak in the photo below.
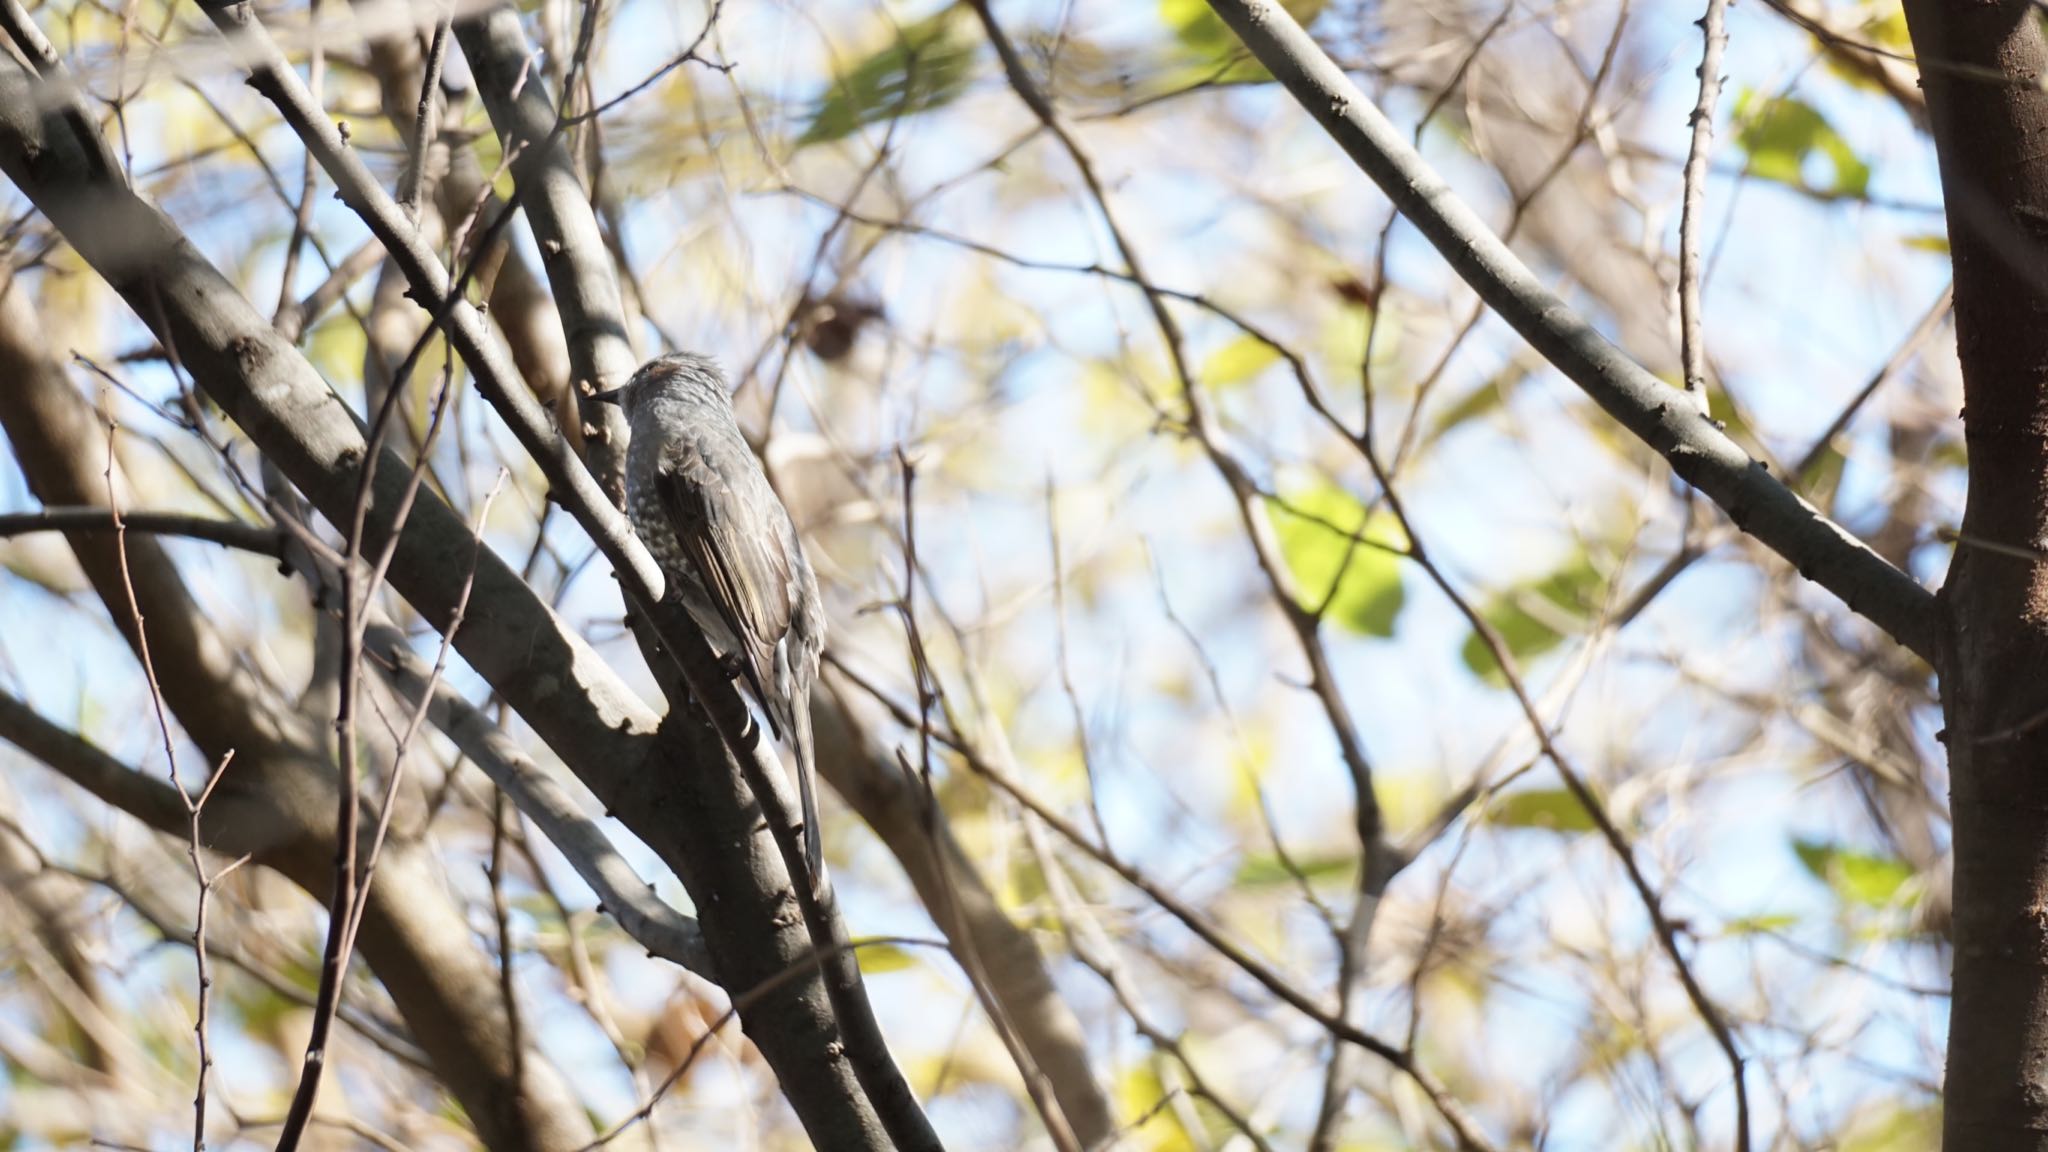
(616, 396)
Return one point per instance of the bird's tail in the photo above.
(807, 789)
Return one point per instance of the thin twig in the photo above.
(426, 121)
(1063, 658)
(227, 533)
(740, 1004)
(1279, 985)
(1035, 1085)
(1093, 948)
(622, 894)
(1930, 322)
(674, 62)
(420, 708)
(351, 893)
(501, 918)
(1692, 348)
(1576, 783)
(204, 972)
(192, 806)
(341, 904)
(309, 174)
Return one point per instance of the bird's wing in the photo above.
(743, 567)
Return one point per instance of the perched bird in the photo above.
(698, 499)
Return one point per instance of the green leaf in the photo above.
(1935, 242)
(1238, 362)
(1027, 883)
(1782, 133)
(1531, 620)
(1315, 528)
(1487, 397)
(1204, 36)
(1863, 878)
(1891, 1127)
(1756, 925)
(1267, 871)
(1554, 809)
(1819, 480)
(876, 959)
(926, 66)
(336, 346)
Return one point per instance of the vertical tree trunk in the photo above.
(1981, 66)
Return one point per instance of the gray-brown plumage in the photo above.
(700, 502)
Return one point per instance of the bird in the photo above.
(728, 551)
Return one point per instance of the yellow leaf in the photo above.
(1238, 362)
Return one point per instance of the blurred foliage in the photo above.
(1535, 618)
(924, 66)
(1862, 878)
(1210, 44)
(1788, 141)
(1346, 561)
(1550, 809)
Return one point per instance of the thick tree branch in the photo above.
(760, 778)
(542, 668)
(946, 878)
(586, 293)
(278, 803)
(1981, 65)
(663, 931)
(1696, 448)
(146, 798)
(585, 284)
(623, 894)
(573, 254)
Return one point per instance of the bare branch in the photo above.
(1692, 349)
(573, 254)
(622, 893)
(809, 1068)
(1696, 448)
(152, 801)
(227, 533)
(277, 803)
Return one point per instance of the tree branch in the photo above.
(585, 290)
(146, 798)
(623, 894)
(519, 305)
(573, 254)
(226, 533)
(1980, 66)
(278, 802)
(543, 669)
(945, 877)
(1696, 448)
(662, 930)
(585, 285)
(1692, 338)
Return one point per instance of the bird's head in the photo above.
(677, 375)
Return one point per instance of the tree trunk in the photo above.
(1981, 66)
